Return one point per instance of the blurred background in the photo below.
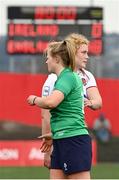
(25, 29)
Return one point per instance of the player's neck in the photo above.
(59, 70)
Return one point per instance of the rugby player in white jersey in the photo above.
(92, 98)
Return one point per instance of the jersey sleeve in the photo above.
(65, 84)
(49, 85)
(91, 81)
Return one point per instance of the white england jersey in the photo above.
(49, 85)
(86, 76)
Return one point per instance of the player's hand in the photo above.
(47, 159)
(46, 142)
(30, 99)
(87, 103)
(46, 146)
(47, 136)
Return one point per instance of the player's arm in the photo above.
(46, 91)
(46, 146)
(45, 115)
(49, 102)
(94, 100)
(46, 131)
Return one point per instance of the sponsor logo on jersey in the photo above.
(84, 81)
(65, 166)
(46, 91)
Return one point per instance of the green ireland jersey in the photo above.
(67, 119)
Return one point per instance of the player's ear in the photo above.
(58, 59)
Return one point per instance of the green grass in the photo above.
(105, 171)
(24, 173)
(100, 171)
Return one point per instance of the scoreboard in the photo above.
(31, 28)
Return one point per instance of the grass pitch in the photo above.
(100, 171)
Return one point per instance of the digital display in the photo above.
(50, 12)
(31, 28)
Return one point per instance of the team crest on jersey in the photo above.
(46, 91)
(84, 81)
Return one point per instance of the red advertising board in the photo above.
(26, 153)
(20, 153)
(15, 88)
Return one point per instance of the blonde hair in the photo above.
(77, 40)
(65, 50)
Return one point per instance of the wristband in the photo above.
(34, 100)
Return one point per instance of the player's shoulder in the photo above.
(52, 77)
(89, 74)
(49, 84)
